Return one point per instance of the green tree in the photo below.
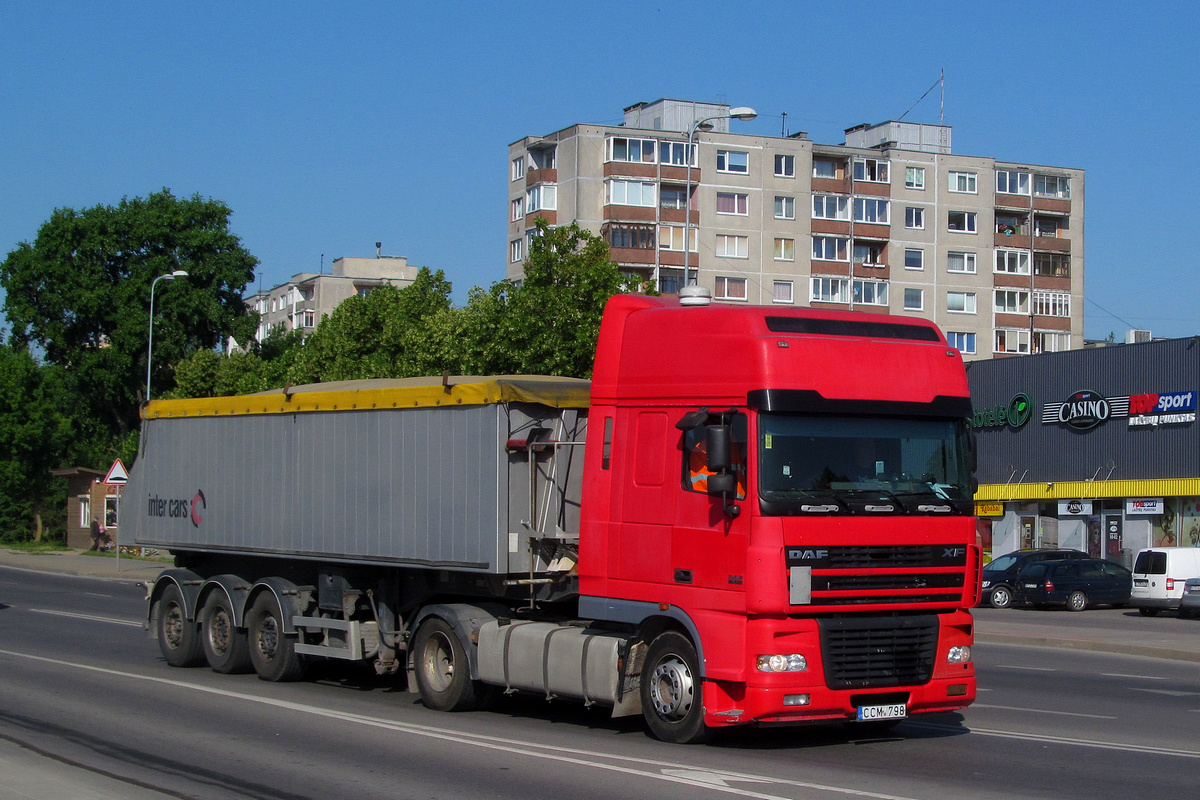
(81, 293)
(32, 436)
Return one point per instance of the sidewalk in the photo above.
(81, 562)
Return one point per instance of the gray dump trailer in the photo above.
(332, 520)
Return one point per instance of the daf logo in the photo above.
(808, 555)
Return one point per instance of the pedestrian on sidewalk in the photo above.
(97, 532)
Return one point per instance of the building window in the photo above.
(964, 182)
(831, 206)
(636, 151)
(733, 161)
(961, 341)
(1012, 341)
(1052, 186)
(871, 293)
(731, 288)
(914, 218)
(1012, 224)
(1052, 304)
(542, 198)
(672, 197)
(781, 291)
(518, 168)
(960, 302)
(1051, 341)
(962, 221)
(960, 262)
(830, 290)
(914, 259)
(785, 249)
(670, 237)
(1049, 226)
(1009, 181)
(639, 237)
(310, 319)
(1052, 265)
(870, 169)
(914, 299)
(516, 250)
(914, 177)
(785, 167)
(825, 168)
(870, 209)
(518, 209)
(785, 207)
(830, 248)
(869, 254)
(1011, 301)
(733, 203)
(630, 193)
(729, 246)
(677, 154)
(1012, 262)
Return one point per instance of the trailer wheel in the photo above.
(178, 639)
(443, 671)
(272, 652)
(225, 647)
(672, 693)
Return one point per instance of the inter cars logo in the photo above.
(178, 508)
(197, 505)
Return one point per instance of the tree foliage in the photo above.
(81, 293)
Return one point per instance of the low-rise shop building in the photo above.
(1095, 449)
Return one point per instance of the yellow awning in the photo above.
(1088, 490)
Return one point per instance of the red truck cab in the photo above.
(784, 496)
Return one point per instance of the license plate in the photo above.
(1031, 586)
(1141, 582)
(893, 711)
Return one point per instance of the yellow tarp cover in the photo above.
(386, 393)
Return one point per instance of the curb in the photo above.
(1088, 644)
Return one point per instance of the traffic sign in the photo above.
(116, 473)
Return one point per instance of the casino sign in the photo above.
(1086, 409)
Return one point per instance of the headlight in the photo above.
(959, 655)
(782, 663)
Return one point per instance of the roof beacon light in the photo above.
(694, 296)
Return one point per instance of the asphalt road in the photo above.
(89, 710)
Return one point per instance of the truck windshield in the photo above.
(848, 465)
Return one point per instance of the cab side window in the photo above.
(696, 470)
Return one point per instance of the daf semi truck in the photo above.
(749, 516)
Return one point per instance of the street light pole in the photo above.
(150, 342)
(742, 113)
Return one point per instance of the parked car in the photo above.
(1074, 583)
(1189, 604)
(1000, 574)
(1159, 574)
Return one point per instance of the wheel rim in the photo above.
(1078, 601)
(267, 639)
(1000, 597)
(219, 631)
(671, 688)
(173, 626)
(437, 662)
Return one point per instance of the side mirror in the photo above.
(718, 440)
(722, 484)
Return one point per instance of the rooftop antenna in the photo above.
(941, 81)
(322, 272)
(783, 130)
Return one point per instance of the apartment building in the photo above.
(300, 303)
(890, 221)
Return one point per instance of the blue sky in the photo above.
(327, 127)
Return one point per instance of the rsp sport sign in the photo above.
(1086, 409)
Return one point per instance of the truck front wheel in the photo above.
(178, 639)
(672, 693)
(272, 652)
(225, 647)
(442, 670)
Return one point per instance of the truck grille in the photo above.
(874, 652)
(883, 574)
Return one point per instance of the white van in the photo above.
(1158, 577)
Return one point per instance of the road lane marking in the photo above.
(1064, 740)
(1167, 692)
(1136, 677)
(649, 768)
(1029, 669)
(89, 617)
(1043, 711)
